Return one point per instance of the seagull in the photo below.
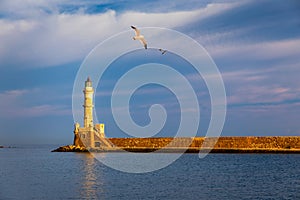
(139, 37)
(162, 51)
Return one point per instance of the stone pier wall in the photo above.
(292, 142)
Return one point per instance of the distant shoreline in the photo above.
(276, 144)
(6, 147)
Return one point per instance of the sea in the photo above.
(34, 172)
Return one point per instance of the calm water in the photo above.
(36, 173)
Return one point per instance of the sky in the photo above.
(255, 45)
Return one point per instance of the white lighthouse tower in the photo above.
(90, 135)
(88, 103)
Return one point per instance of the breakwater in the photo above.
(278, 144)
(222, 142)
(222, 145)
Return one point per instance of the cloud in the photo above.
(255, 88)
(54, 38)
(267, 20)
(44, 110)
(272, 50)
(35, 8)
(261, 95)
(259, 73)
(13, 105)
(13, 93)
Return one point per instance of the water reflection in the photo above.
(92, 183)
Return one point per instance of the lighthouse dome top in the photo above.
(88, 82)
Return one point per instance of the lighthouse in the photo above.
(90, 135)
(88, 103)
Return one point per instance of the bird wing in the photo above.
(137, 31)
(144, 42)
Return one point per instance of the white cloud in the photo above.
(13, 93)
(258, 72)
(269, 50)
(26, 8)
(262, 94)
(12, 105)
(257, 87)
(54, 39)
(44, 110)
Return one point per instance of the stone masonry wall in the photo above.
(222, 143)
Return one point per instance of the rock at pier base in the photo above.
(70, 148)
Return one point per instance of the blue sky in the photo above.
(255, 44)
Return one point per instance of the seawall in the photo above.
(222, 142)
(287, 144)
(278, 144)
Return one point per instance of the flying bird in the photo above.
(162, 51)
(139, 37)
